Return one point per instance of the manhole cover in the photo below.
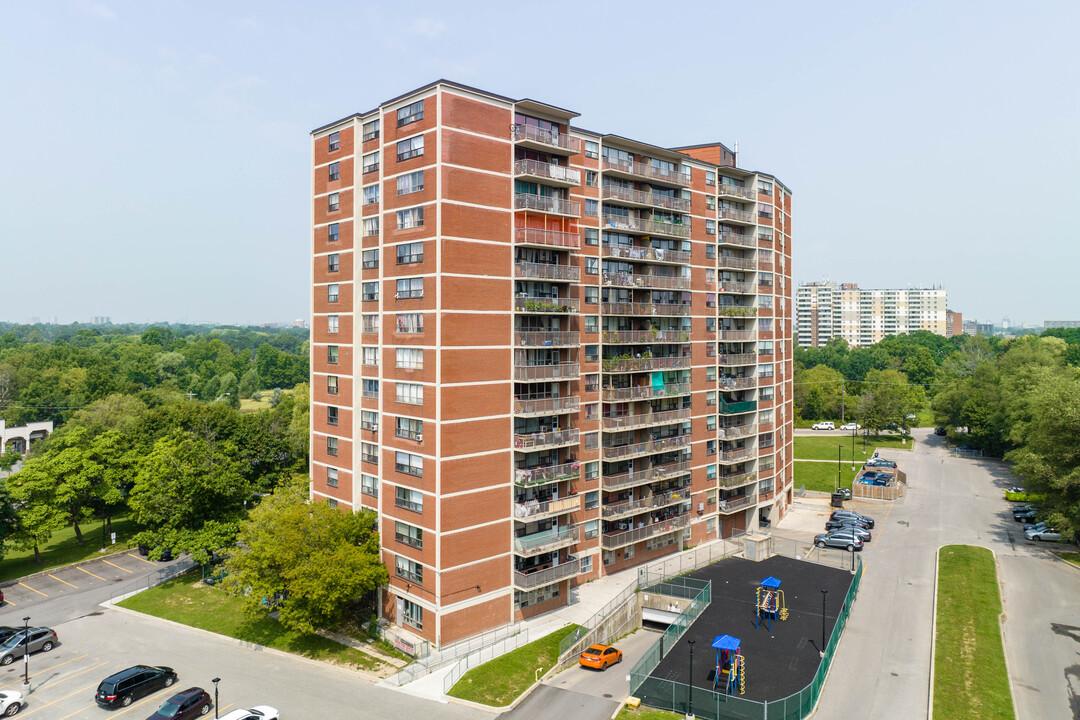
(608, 695)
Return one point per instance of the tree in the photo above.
(308, 558)
(249, 383)
(888, 400)
(39, 516)
(8, 517)
(819, 393)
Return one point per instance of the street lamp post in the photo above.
(103, 542)
(839, 449)
(215, 681)
(26, 650)
(690, 685)
(823, 594)
(853, 445)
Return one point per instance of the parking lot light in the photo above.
(26, 650)
(215, 681)
(823, 594)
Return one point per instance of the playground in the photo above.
(763, 628)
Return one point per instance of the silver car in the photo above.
(848, 542)
(1048, 534)
(37, 638)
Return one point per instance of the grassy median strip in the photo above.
(187, 601)
(1073, 557)
(970, 678)
(822, 476)
(498, 682)
(824, 447)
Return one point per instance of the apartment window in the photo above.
(370, 291)
(764, 301)
(592, 411)
(409, 570)
(410, 253)
(765, 234)
(369, 453)
(331, 446)
(592, 266)
(410, 218)
(369, 356)
(413, 147)
(592, 295)
(765, 370)
(765, 393)
(409, 393)
(332, 324)
(592, 178)
(331, 415)
(370, 162)
(410, 358)
(764, 187)
(710, 276)
(592, 150)
(335, 141)
(765, 347)
(764, 210)
(586, 564)
(710, 350)
(410, 288)
(710, 177)
(370, 259)
(710, 447)
(592, 470)
(331, 477)
(710, 422)
(710, 526)
(369, 485)
(410, 323)
(370, 323)
(331, 502)
(331, 385)
(592, 236)
(409, 534)
(592, 382)
(409, 428)
(371, 130)
(592, 529)
(410, 183)
(710, 325)
(765, 279)
(687, 172)
(766, 439)
(710, 250)
(592, 499)
(371, 388)
(710, 227)
(592, 323)
(710, 397)
(409, 464)
(332, 202)
(710, 373)
(592, 353)
(710, 202)
(592, 207)
(765, 463)
(371, 226)
(333, 232)
(410, 113)
(609, 557)
(710, 472)
(592, 441)
(765, 416)
(335, 171)
(333, 262)
(332, 354)
(332, 292)
(369, 420)
(412, 614)
(371, 194)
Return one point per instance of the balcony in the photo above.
(645, 170)
(535, 510)
(733, 408)
(556, 371)
(656, 473)
(645, 392)
(735, 191)
(544, 440)
(542, 139)
(547, 203)
(549, 173)
(638, 337)
(647, 227)
(628, 422)
(734, 480)
(645, 309)
(740, 239)
(532, 579)
(735, 504)
(525, 303)
(538, 237)
(651, 447)
(738, 335)
(546, 406)
(736, 262)
(532, 477)
(632, 507)
(547, 271)
(641, 197)
(737, 311)
(737, 455)
(740, 383)
(547, 541)
(737, 359)
(651, 254)
(734, 287)
(738, 216)
(638, 280)
(629, 365)
(611, 541)
(546, 338)
(734, 432)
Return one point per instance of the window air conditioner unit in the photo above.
(374, 427)
(419, 437)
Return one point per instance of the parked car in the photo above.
(7, 631)
(1048, 534)
(1027, 516)
(1016, 489)
(35, 639)
(848, 543)
(1041, 525)
(11, 702)
(843, 522)
(860, 531)
(600, 657)
(940, 431)
(259, 712)
(827, 425)
(869, 521)
(851, 426)
(880, 463)
(121, 688)
(187, 705)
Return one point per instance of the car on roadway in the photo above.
(259, 712)
(850, 426)
(880, 463)
(858, 530)
(11, 702)
(826, 425)
(1048, 534)
(121, 688)
(185, 705)
(866, 519)
(31, 640)
(835, 540)
(600, 657)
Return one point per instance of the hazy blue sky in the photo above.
(154, 157)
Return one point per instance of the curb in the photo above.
(933, 637)
(517, 701)
(106, 556)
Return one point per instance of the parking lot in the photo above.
(110, 570)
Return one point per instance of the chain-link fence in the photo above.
(690, 560)
(155, 578)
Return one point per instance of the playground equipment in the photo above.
(730, 665)
(770, 603)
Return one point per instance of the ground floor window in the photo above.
(413, 615)
(535, 597)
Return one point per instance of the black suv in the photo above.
(127, 685)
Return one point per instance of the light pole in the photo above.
(823, 594)
(839, 449)
(215, 681)
(103, 542)
(26, 650)
(853, 445)
(690, 685)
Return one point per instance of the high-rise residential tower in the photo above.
(862, 316)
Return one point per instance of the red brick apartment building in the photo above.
(540, 353)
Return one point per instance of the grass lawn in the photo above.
(970, 680)
(498, 682)
(924, 417)
(824, 448)
(822, 476)
(647, 713)
(62, 549)
(186, 600)
(1073, 557)
(247, 405)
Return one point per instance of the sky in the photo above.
(155, 157)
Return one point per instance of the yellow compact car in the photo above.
(599, 657)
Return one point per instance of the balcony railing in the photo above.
(546, 271)
(733, 238)
(546, 304)
(738, 335)
(736, 479)
(546, 338)
(742, 383)
(737, 311)
(665, 282)
(614, 452)
(553, 138)
(731, 286)
(541, 440)
(611, 541)
(547, 171)
(657, 500)
(534, 509)
(737, 359)
(732, 408)
(539, 578)
(547, 541)
(736, 262)
(531, 477)
(645, 392)
(646, 170)
(547, 238)
(557, 371)
(739, 503)
(739, 191)
(645, 309)
(626, 422)
(737, 215)
(624, 222)
(637, 337)
(637, 252)
(649, 475)
(737, 455)
(617, 192)
(547, 203)
(735, 432)
(547, 406)
(625, 365)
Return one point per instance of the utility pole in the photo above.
(843, 400)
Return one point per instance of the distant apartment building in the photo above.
(540, 353)
(954, 323)
(101, 320)
(824, 310)
(1061, 324)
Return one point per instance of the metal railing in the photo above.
(730, 286)
(647, 170)
(617, 192)
(737, 455)
(630, 337)
(642, 225)
(558, 371)
(536, 440)
(638, 252)
(554, 138)
(546, 338)
(559, 173)
(546, 203)
(624, 365)
(666, 282)
(734, 238)
(531, 477)
(626, 422)
(545, 542)
(737, 311)
(737, 359)
(738, 335)
(547, 405)
(613, 452)
(736, 479)
(546, 304)
(612, 541)
(539, 578)
(736, 191)
(657, 500)
(546, 271)
(734, 432)
(535, 508)
(737, 215)
(483, 655)
(645, 392)
(736, 262)
(655, 473)
(736, 504)
(646, 309)
(547, 238)
(737, 407)
(598, 617)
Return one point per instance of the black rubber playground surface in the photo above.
(778, 663)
